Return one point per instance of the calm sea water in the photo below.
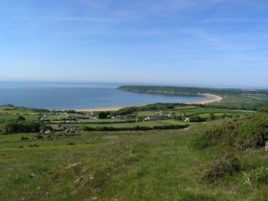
(77, 95)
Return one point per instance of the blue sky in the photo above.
(184, 42)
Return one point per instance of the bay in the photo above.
(61, 95)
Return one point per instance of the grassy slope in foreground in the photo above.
(136, 165)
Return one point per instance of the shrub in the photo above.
(126, 111)
(226, 165)
(21, 118)
(196, 119)
(21, 127)
(24, 138)
(243, 133)
(33, 145)
(251, 132)
(104, 115)
(167, 127)
(214, 135)
(261, 174)
(140, 128)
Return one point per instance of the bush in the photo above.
(243, 133)
(261, 174)
(196, 119)
(161, 106)
(24, 138)
(167, 127)
(213, 135)
(21, 118)
(33, 145)
(21, 127)
(104, 115)
(251, 132)
(226, 165)
(126, 111)
(149, 107)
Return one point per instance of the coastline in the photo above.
(211, 99)
(104, 109)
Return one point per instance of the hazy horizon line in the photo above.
(201, 85)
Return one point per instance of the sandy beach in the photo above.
(105, 109)
(211, 98)
(100, 109)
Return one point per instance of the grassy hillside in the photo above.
(203, 162)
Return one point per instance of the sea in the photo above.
(76, 95)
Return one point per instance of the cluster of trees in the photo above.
(20, 126)
(150, 107)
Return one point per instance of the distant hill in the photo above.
(192, 90)
(248, 99)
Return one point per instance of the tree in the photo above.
(21, 127)
(103, 115)
(21, 118)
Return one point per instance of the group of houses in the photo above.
(164, 116)
(67, 118)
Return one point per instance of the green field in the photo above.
(157, 164)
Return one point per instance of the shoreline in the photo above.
(211, 99)
(103, 109)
